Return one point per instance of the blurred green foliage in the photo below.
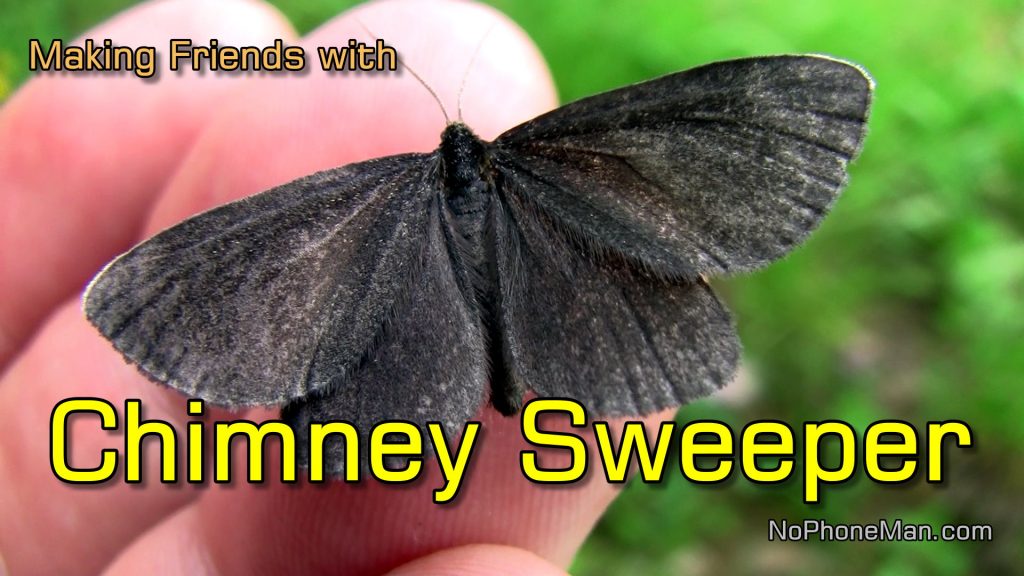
(908, 303)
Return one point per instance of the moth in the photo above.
(566, 258)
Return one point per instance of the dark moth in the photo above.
(566, 258)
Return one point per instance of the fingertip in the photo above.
(479, 560)
(82, 155)
(174, 547)
(469, 52)
(280, 127)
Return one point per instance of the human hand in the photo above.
(90, 164)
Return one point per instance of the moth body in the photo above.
(469, 191)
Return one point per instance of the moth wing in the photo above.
(720, 168)
(429, 366)
(621, 342)
(273, 296)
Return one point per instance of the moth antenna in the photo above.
(408, 69)
(469, 67)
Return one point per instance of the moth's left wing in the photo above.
(428, 366)
(274, 296)
(721, 168)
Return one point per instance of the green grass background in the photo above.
(908, 303)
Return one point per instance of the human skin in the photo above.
(91, 164)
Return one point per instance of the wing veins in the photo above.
(767, 129)
(645, 332)
(574, 232)
(378, 333)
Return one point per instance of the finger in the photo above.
(479, 560)
(47, 526)
(82, 156)
(290, 125)
(370, 528)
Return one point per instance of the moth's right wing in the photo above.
(721, 168)
(266, 299)
(621, 342)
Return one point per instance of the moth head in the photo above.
(462, 157)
